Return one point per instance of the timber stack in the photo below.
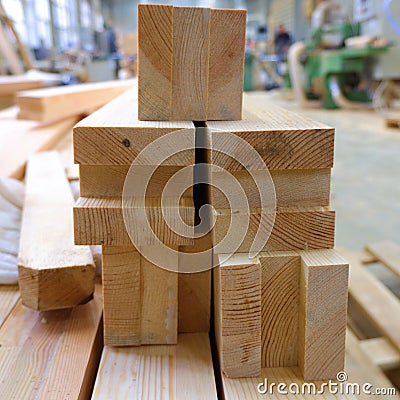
(283, 306)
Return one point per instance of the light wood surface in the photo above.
(237, 308)
(21, 139)
(113, 135)
(16, 83)
(322, 314)
(283, 139)
(108, 180)
(293, 188)
(293, 229)
(190, 63)
(99, 221)
(382, 353)
(176, 372)
(226, 60)
(388, 253)
(54, 354)
(58, 274)
(155, 64)
(51, 104)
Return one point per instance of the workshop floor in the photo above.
(366, 174)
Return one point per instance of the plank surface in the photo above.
(280, 278)
(60, 274)
(293, 229)
(155, 62)
(16, 83)
(374, 298)
(51, 104)
(99, 221)
(113, 135)
(190, 63)
(293, 188)
(283, 139)
(225, 82)
(237, 313)
(121, 295)
(9, 296)
(322, 314)
(21, 139)
(381, 352)
(55, 354)
(108, 180)
(176, 372)
(388, 253)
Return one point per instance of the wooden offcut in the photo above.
(155, 39)
(191, 63)
(322, 314)
(100, 221)
(237, 313)
(226, 60)
(53, 273)
(113, 135)
(51, 104)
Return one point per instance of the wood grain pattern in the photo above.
(21, 139)
(280, 278)
(283, 139)
(99, 221)
(121, 295)
(293, 188)
(51, 104)
(155, 61)
(237, 301)
(108, 180)
(293, 229)
(113, 135)
(60, 274)
(225, 82)
(190, 63)
(159, 299)
(55, 355)
(176, 372)
(322, 314)
(9, 296)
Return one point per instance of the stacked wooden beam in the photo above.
(285, 305)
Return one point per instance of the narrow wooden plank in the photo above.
(237, 302)
(190, 63)
(9, 296)
(270, 378)
(155, 61)
(9, 54)
(99, 221)
(280, 278)
(56, 352)
(361, 369)
(283, 139)
(108, 180)
(59, 275)
(293, 188)
(381, 352)
(159, 299)
(388, 253)
(21, 139)
(121, 295)
(175, 372)
(51, 104)
(322, 314)
(113, 135)
(293, 229)
(13, 84)
(374, 298)
(226, 63)
(194, 289)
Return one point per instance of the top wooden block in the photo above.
(190, 63)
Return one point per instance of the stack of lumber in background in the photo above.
(57, 111)
(293, 296)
